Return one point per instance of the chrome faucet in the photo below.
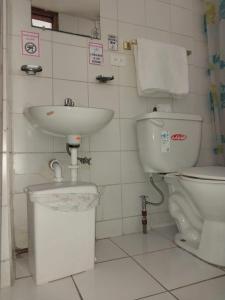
(69, 102)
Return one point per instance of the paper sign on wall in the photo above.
(30, 43)
(112, 42)
(96, 54)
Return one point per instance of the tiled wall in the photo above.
(66, 73)
(5, 152)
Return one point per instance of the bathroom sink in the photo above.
(67, 120)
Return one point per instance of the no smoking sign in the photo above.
(30, 43)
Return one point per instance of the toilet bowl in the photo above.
(168, 143)
(197, 203)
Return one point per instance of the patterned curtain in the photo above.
(215, 30)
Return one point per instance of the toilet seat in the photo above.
(213, 173)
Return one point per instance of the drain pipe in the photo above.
(145, 202)
(55, 166)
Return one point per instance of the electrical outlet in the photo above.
(118, 60)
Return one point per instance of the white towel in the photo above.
(162, 69)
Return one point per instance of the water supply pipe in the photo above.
(145, 202)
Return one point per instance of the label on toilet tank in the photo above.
(165, 141)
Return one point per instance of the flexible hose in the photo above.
(158, 191)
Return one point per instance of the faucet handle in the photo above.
(69, 102)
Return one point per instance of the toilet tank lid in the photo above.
(210, 173)
(172, 116)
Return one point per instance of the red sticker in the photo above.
(178, 137)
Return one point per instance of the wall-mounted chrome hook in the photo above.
(31, 69)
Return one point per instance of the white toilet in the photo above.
(169, 143)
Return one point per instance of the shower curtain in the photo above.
(215, 31)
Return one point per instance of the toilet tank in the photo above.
(168, 142)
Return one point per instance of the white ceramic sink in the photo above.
(66, 120)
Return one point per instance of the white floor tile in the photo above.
(208, 290)
(22, 266)
(106, 250)
(175, 268)
(142, 243)
(164, 296)
(25, 289)
(121, 280)
(168, 231)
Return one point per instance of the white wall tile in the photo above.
(109, 228)
(198, 6)
(106, 69)
(107, 139)
(160, 219)
(182, 22)
(208, 138)
(69, 39)
(17, 59)
(184, 41)
(29, 139)
(110, 206)
(108, 27)
(132, 225)
(197, 104)
(131, 167)
(20, 220)
(200, 54)
(105, 168)
(5, 272)
(132, 11)
(30, 91)
(206, 157)
(199, 80)
(127, 73)
(5, 236)
(198, 27)
(158, 35)
(108, 9)
(128, 134)
(158, 15)
(78, 91)
(182, 3)
(131, 197)
(31, 163)
(127, 31)
(104, 96)
(131, 104)
(21, 181)
(69, 62)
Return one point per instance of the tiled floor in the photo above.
(130, 267)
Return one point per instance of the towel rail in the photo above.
(127, 45)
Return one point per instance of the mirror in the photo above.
(80, 17)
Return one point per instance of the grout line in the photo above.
(110, 260)
(155, 251)
(161, 293)
(204, 261)
(23, 277)
(78, 291)
(198, 282)
(138, 264)
(168, 290)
